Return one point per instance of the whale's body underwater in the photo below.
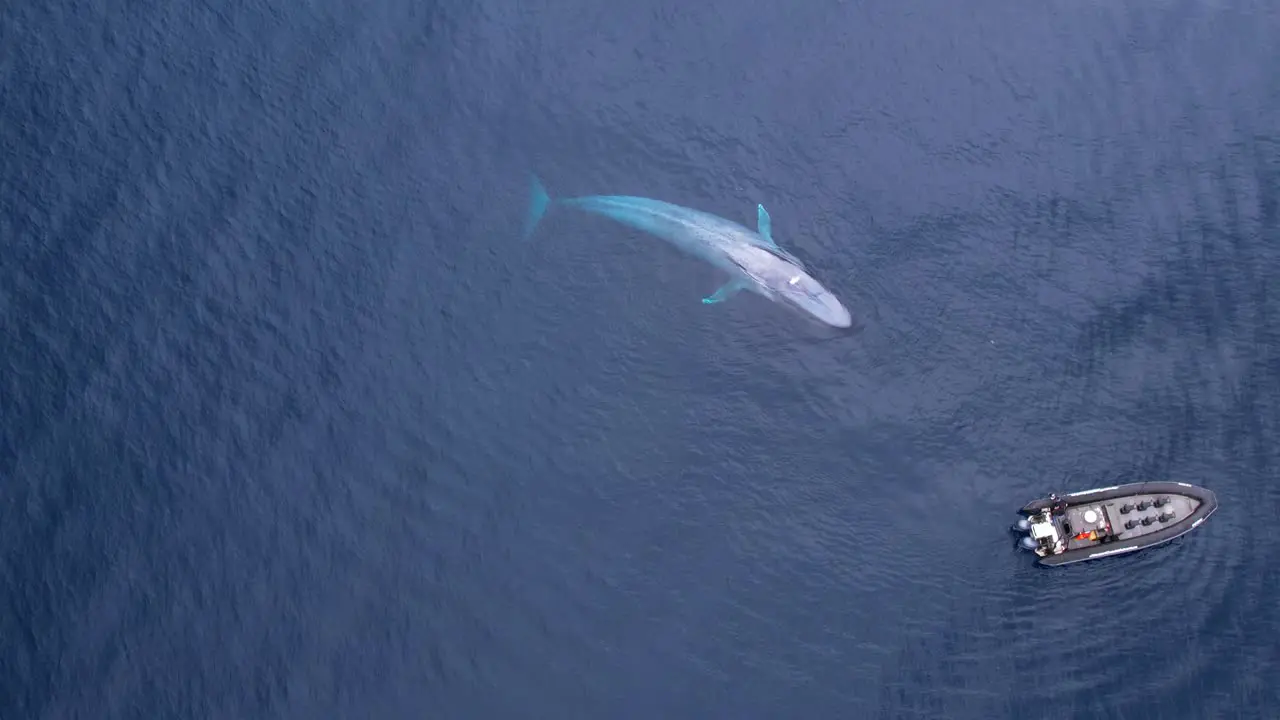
(751, 257)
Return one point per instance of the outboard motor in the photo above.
(1027, 543)
(1023, 525)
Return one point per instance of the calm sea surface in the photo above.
(292, 425)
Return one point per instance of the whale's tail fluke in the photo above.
(539, 201)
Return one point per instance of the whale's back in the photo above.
(681, 225)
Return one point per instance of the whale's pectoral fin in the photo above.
(764, 225)
(725, 292)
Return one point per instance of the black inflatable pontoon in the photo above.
(1112, 520)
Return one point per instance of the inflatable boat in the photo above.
(1110, 521)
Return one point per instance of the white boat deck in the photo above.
(1106, 517)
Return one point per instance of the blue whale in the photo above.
(752, 259)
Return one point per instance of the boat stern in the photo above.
(1042, 534)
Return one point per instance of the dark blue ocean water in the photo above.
(293, 426)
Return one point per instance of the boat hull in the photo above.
(1202, 501)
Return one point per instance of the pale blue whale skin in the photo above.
(752, 259)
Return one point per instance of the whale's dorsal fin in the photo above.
(725, 292)
(764, 225)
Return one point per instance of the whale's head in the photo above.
(784, 279)
(801, 290)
